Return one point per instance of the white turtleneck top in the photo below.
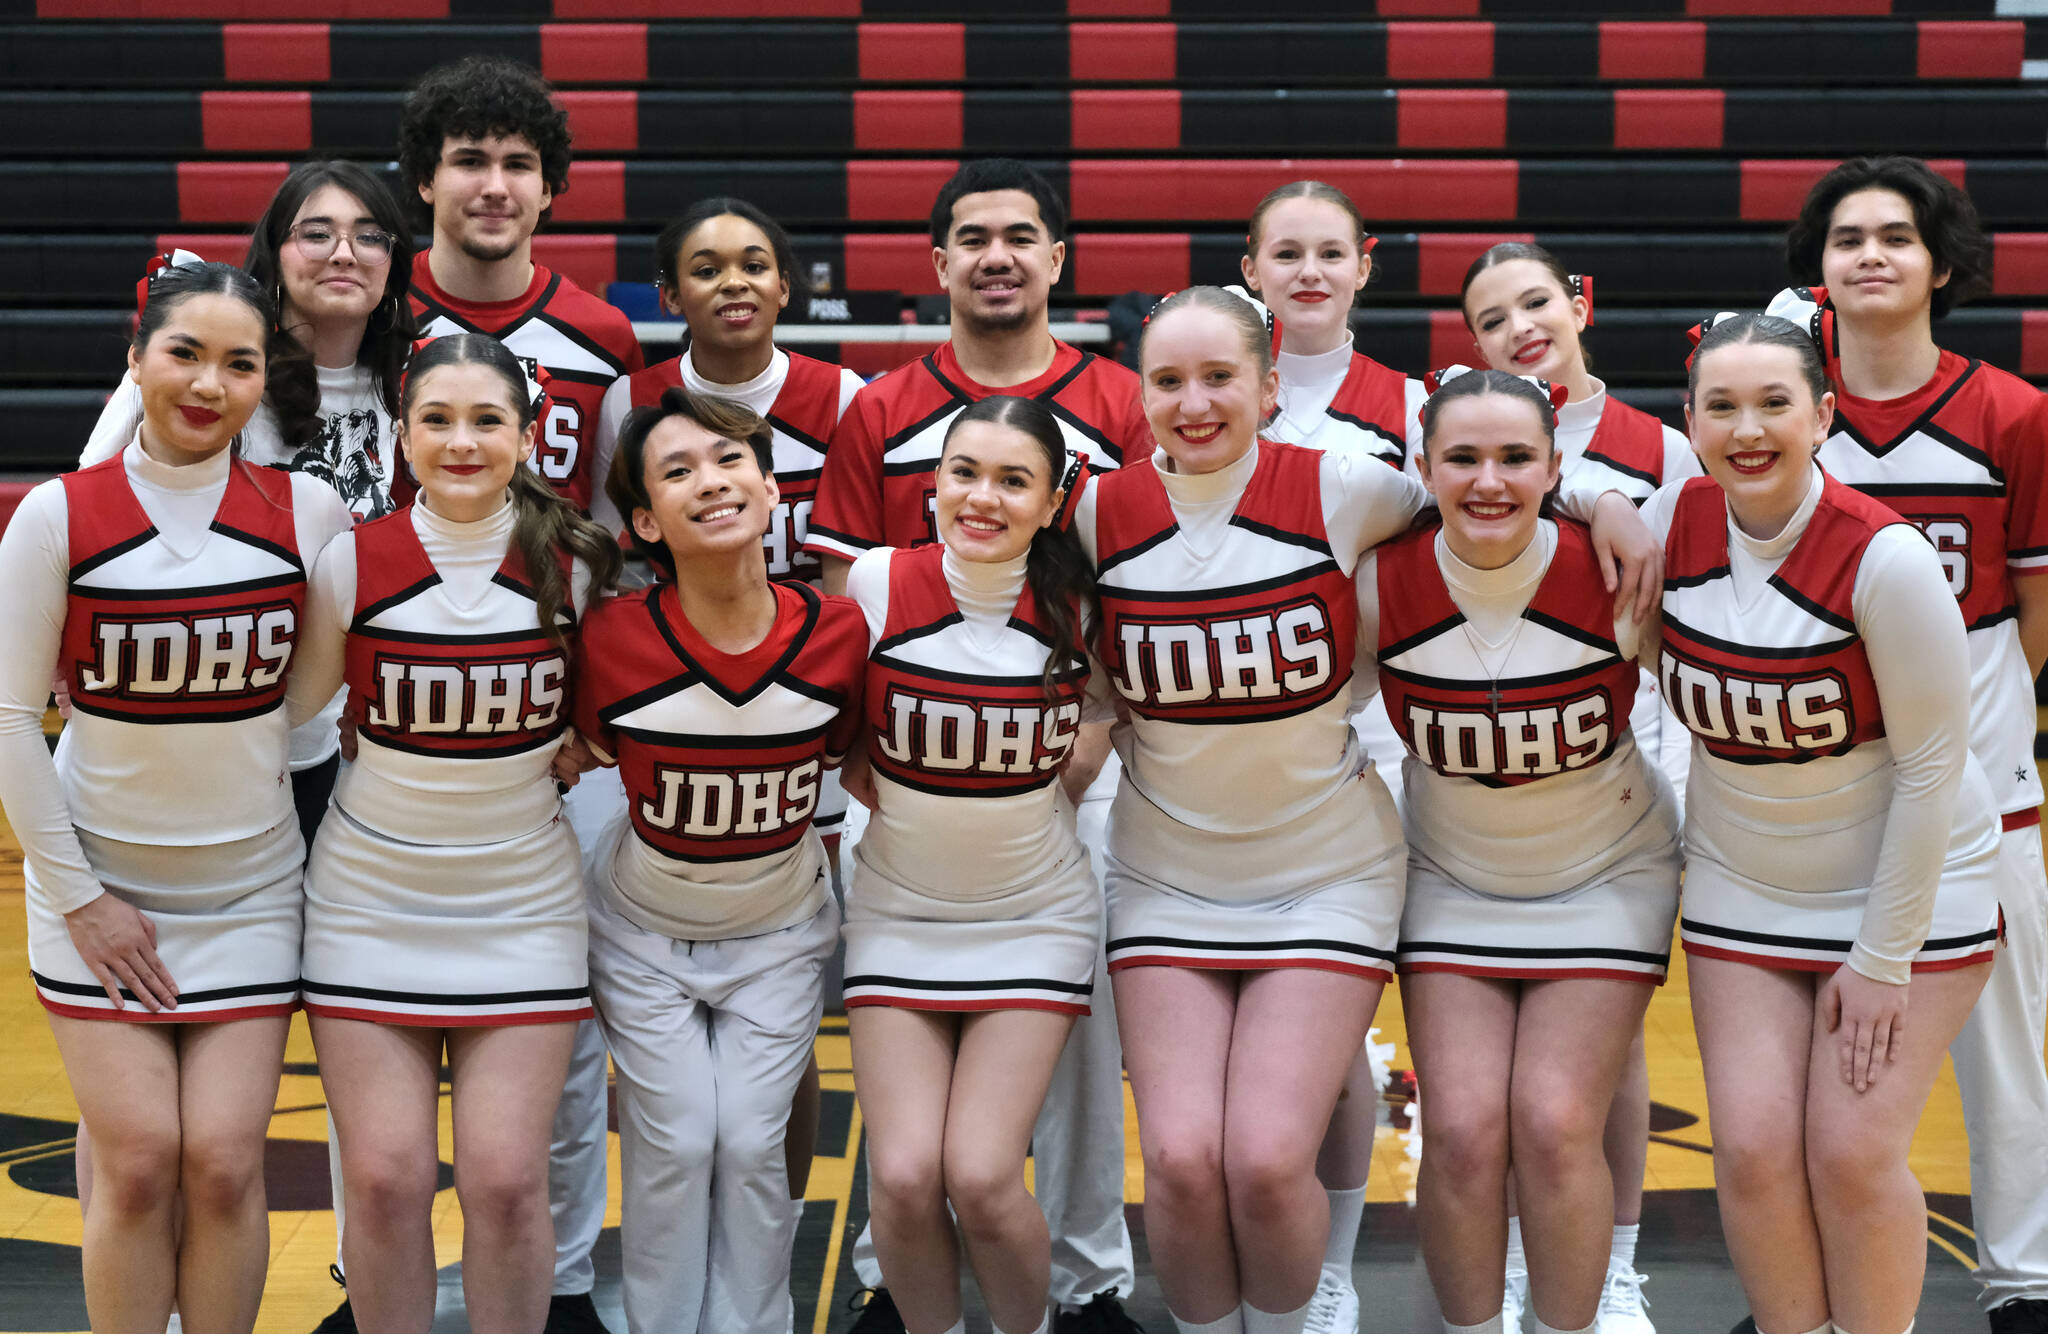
(91, 783)
(1308, 385)
(956, 846)
(1919, 777)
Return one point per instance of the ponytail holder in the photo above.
(1810, 309)
(1365, 246)
(1557, 394)
(1071, 485)
(1699, 331)
(1582, 286)
(1265, 314)
(159, 264)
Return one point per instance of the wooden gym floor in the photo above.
(1691, 1289)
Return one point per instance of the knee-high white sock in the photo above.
(958, 1326)
(1491, 1326)
(1347, 1210)
(1233, 1323)
(1517, 1262)
(1542, 1328)
(1274, 1322)
(1622, 1255)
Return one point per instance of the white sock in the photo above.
(1347, 1211)
(958, 1326)
(1517, 1261)
(1491, 1326)
(1623, 1253)
(1542, 1328)
(1839, 1330)
(1232, 1323)
(1274, 1322)
(1044, 1325)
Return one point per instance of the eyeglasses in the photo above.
(318, 240)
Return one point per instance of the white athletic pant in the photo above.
(710, 1039)
(2005, 1087)
(576, 1158)
(1077, 1143)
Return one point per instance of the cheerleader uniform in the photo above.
(444, 890)
(171, 598)
(1835, 813)
(710, 923)
(970, 890)
(1542, 844)
(1244, 833)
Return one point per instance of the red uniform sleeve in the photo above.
(588, 690)
(850, 647)
(2025, 464)
(846, 518)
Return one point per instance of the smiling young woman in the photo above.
(180, 921)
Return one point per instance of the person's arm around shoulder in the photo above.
(1365, 503)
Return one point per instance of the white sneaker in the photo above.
(1622, 1303)
(1514, 1300)
(1334, 1308)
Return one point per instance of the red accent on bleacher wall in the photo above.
(607, 122)
(594, 52)
(1124, 52)
(868, 360)
(1450, 342)
(1132, 262)
(1224, 191)
(228, 248)
(1772, 190)
(1451, 118)
(240, 9)
(1669, 117)
(894, 191)
(707, 9)
(1674, 51)
(589, 261)
(924, 122)
(2019, 264)
(233, 192)
(1426, 9)
(1788, 9)
(880, 262)
(2034, 343)
(1109, 118)
(913, 52)
(596, 193)
(235, 122)
(275, 52)
(1442, 258)
(1976, 50)
(1432, 52)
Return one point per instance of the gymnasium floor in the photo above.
(1691, 1287)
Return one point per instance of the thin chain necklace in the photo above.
(1506, 655)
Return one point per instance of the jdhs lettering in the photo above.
(1516, 743)
(476, 699)
(1812, 714)
(706, 803)
(211, 657)
(1262, 656)
(948, 735)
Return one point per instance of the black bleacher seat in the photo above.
(1949, 122)
(1543, 49)
(953, 10)
(1663, 191)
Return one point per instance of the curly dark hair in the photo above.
(983, 175)
(1946, 219)
(475, 98)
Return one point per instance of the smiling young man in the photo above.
(1959, 449)
(998, 245)
(487, 151)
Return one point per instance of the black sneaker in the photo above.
(1103, 1314)
(573, 1313)
(2028, 1315)
(342, 1319)
(1746, 1326)
(877, 1316)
